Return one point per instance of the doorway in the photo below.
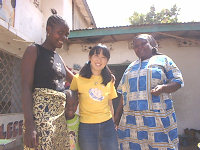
(118, 71)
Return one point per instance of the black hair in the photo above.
(55, 19)
(150, 39)
(105, 73)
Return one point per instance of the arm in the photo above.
(71, 99)
(27, 72)
(174, 76)
(113, 79)
(165, 88)
(69, 75)
(111, 108)
(119, 111)
(71, 104)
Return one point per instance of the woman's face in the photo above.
(58, 34)
(142, 48)
(98, 62)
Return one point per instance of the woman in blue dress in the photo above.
(148, 120)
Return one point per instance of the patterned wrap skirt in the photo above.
(48, 112)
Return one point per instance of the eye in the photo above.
(67, 34)
(60, 32)
(142, 44)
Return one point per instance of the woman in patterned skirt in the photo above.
(148, 120)
(43, 97)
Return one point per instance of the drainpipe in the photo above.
(13, 4)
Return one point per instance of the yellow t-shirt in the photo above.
(93, 98)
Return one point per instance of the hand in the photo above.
(116, 122)
(31, 138)
(71, 96)
(71, 104)
(69, 114)
(116, 127)
(157, 90)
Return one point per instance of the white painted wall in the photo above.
(30, 23)
(79, 22)
(63, 8)
(67, 12)
(186, 99)
(28, 20)
(76, 54)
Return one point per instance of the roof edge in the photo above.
(135, 29)
(89, 13)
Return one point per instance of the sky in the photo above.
(110, 13)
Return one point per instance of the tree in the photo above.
(153, 17)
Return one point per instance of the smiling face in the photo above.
(57, 35)
(98, 62)
(142, 48)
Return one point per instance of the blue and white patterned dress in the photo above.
(148, 122)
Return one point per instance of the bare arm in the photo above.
(119, 111)
(71, 103)
(69, 75)
(27, 72)
(165, 88)
(111, 108)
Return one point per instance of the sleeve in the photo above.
(122, 87)
(113, 93)
(74, 85)
(173, 73)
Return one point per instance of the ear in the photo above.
(49, 30)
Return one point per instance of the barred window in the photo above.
(10, 87)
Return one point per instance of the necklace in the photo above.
(97, 80)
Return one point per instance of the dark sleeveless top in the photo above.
(49, 70)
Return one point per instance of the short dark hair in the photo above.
(151, 40)
(105, 73)
(55, 19)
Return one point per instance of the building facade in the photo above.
(179, 41)
(23, 22)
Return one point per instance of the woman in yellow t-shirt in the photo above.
(95, 86)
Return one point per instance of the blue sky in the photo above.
(109, 13)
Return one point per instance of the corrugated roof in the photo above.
(132, 29)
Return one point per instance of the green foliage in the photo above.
(153, 17)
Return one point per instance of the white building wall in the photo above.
(63, 8)
(28, 20)
(186, 99)
(31, 21)
(67, 12)
(79, 22)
